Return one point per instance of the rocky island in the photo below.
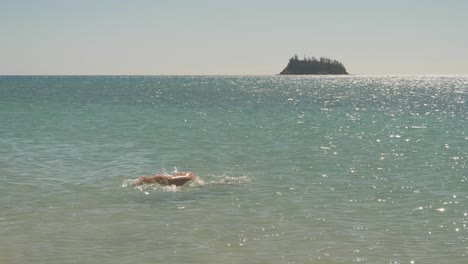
(313, 66)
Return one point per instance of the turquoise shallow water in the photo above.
(369, 169)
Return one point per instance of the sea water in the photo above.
(366, 169)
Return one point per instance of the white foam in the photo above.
(230, 180)
(170, 188)
(197, 182)
(128, 182)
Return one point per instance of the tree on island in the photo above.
(313, 65)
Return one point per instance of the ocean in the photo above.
(292, 169)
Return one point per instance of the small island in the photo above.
(312, 65)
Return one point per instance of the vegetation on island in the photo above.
(313, 66)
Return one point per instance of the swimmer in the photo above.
(177, 179)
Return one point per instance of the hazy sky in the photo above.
(159, 37)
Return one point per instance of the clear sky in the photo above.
(159, 37)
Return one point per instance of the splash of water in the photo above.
(210, 180)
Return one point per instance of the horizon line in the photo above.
(214, 75)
